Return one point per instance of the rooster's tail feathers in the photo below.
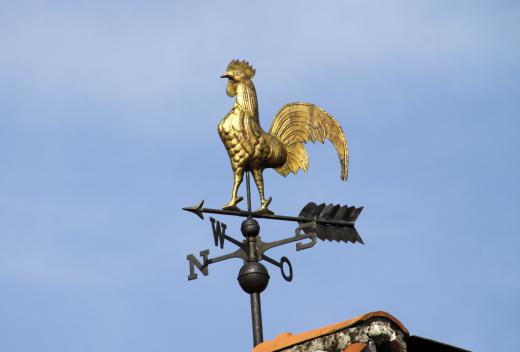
(299, 123)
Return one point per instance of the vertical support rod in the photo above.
(256, 306)
(248, 187)
(256, 315)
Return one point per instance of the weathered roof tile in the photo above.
(286, 340)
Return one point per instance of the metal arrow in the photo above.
(198, 210)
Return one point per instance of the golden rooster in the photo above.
(250, 148)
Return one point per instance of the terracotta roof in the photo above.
(288, 339)
(356, 347)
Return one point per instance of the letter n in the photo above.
(194, 262)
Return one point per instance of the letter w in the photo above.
(219, 231)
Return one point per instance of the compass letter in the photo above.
(194, 262)
(219, 231)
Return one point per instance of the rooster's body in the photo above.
(250, 148)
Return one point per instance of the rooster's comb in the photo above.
(242, 66)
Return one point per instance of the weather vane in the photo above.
(251, 150)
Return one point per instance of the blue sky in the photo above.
(108, 115)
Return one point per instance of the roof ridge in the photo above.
(288, 339)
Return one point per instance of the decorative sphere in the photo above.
(253, 277)
(250, 228)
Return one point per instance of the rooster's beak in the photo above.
(226, 75)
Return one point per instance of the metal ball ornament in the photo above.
(253, 277)
(250, 228)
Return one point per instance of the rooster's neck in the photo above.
(246, 98)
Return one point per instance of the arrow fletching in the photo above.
(336, 222)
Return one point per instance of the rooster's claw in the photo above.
(263, 209)
(232, 205)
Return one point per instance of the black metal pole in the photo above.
(256, 315)
(256, 306)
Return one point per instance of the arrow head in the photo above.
(196, 209)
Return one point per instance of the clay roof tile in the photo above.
(288, 339)
(356, 347)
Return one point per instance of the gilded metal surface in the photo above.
(252, 149)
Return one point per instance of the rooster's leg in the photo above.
(232, 205)
(259, 180)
